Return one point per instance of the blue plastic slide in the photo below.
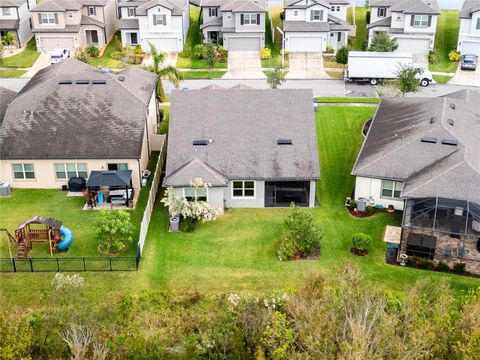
(67, 238)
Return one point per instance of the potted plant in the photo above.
(390, 208)
(361, 244)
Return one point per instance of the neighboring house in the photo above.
(257, 148)
(71, 119)
(412, 22)
(469, 34)
(15, 19)
(239, 23)
(312, 25)
(73, 24)
(421, 155)
(163, 23)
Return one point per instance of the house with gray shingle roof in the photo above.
(71, 119)
(162, 23)
(469, 33)
(73, 24)
(412, 22)
(422, 156)
(311, 26)
(257, 148)
(239, 23)
(15, 19)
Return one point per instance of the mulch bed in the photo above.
(315, 255)
(360, 214)
(357, 252)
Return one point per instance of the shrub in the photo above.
(413, 261)
(361, 241)
(426, 264)
(117, 43)
(265, 53)
(383, 42)
(330, 49)
(81, 56)
(432, 57)
(303, 237)
(223, 53)
(187, 224)
(443, 267)
(459, 268)
(92, 51)
(342, 55)
(353, 204)
(114, 229)
(138, 50)
(185, 54)
(199, 51)
(454, 55)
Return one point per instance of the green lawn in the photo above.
(214, 74)
(24, 59)
(442, 79)
(26, 203)
(163, 129)
(105, 61)
(276, 46)
(194, 38)
(11, 73)
(341, 99)
(446, 40)
(359, 42)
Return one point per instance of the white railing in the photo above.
(152, 194)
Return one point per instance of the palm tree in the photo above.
(164, 72)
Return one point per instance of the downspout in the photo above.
(139, 173)
(105, 28)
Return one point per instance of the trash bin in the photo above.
(362, 204)
(174, 223)
(391, 254)
(100, 198)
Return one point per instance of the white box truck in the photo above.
(373, 66)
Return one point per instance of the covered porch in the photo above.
(283, 193)
(110, 188)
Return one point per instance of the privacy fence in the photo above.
(100, 263)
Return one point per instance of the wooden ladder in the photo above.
(21, 250)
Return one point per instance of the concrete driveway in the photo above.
(421, 59)
(466, 77)
(244, 65)
(306, 65)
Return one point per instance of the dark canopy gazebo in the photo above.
(117, 179)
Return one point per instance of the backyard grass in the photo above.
(24, 59)
(11, 73)
(214, 74)
(237, 252)
(446, 38)
(341, 99)
(163, 129)
(275, 46)
(359, 42)
(442, 79)
(194, 38)
(105, 61)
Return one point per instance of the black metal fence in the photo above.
(58, 264)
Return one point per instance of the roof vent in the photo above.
(433, 120)
(430, 140)
(451, 122)
(99, 82)
(452, 106)
(121, 78)
(200, 142)
(65, 82)
(284, 142)
(451, 142)
(82, 82)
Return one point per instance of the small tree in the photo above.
(406, 79)
(9, 40)
(342, 55)
(210, 55)
(382, 42)
(2, 47)
(276, 77)
(115, 229)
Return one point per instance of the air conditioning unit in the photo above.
(5, 189)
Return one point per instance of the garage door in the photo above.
(415, 46)
(305, 44)
(168, 44)
(50, 43)
(470, 47)
(243, 44)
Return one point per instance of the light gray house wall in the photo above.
(257, 202)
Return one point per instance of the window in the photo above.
(316, 15)
(250, 19)
(382, 12)
(332, 8)
(133, 39)
(332, 34)
(399, 17)
(69, 170)
(117, 166)
(6, 11)
(391, 189)
(213, 12)
(243, 189)
(190, 194)
(131, 12)
(23, 172)
(478, 24)
(295, 13)
(70, 15)
(160, 19)
(338, 8)
(420, 20)
(48, 18)
(91, 11)
(229, 16)
(339, 37)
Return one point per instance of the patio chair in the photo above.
(447, 252)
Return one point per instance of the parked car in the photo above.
(58, 55)
(469, 62)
